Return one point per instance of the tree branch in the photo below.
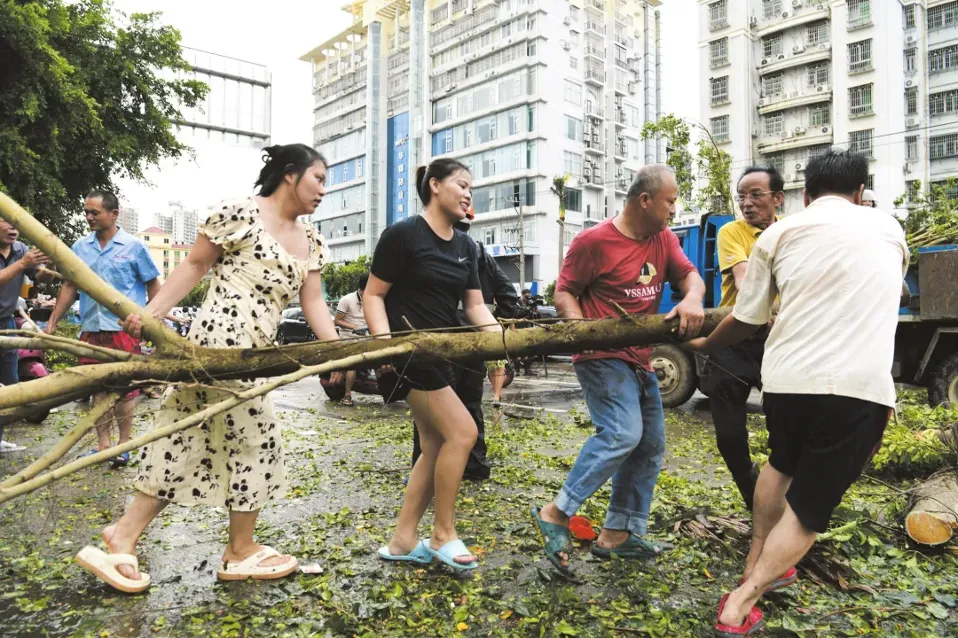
(65, 444)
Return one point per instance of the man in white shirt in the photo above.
(349, 316)
(828, 389)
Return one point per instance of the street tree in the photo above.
(558, 189)
(704, 177)
(87, 94)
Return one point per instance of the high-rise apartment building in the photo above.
(785, 80)
(521, 91)
(129, 219)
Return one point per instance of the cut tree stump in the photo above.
(934, 517)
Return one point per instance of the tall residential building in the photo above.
(164, 221)
(787, 79)
(184, 223)
(521, 91)
(129, 219)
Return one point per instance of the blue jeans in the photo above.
(8, 358)
(627, 447)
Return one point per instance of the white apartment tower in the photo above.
(785, 80)
(521, 91)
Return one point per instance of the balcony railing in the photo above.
(859, 22)
(594, 51)
(718, 61)
(594, 111)
(597, 4)
(592, 25)
(718, 23)
(595, 75)
(860, 67)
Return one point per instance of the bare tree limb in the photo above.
(65, 444)
(40, 341)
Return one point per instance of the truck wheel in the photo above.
(943, 385)
(676, 375)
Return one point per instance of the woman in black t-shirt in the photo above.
(422, 268)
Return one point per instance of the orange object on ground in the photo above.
(581, 528)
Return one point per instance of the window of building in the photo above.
(776, 161)
(860, 100)
(859, 13)
(773, 84)
(771, 8)
(943, 59)
(816, 33)
(860, 56)
(911, 148)
(911, 101)
(773, 45)
(910, 60)
(942, 16)
(870, 182)
(719, 89)
(718, 14)
(573, 200)
(719, 128)
(573, 93)
(489, 236)
(942, 146)
(718, 52)
(573, 128)
(531, 48)
(815, 151)
(944, 102)
(573, 163)
(861, 142)
(908, 16)
(818, 74)
(774, 123)
(573, 62)
(819, 115)
(440, 13)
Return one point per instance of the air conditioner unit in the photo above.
(910, 39)
(909, 83)
(587, 173)
(798, 48)
(765, 61)
(754, 132)
(787, 135)
(595, 137)
(566, 45)
(906, 168)
(825, 129)
(825, 46)
(784, 14)
(799, 130)
(567, 20)
(633, 88)
(781, 56)
(800, 166)
(820, 88)
(913, 121)
(761, 102)
(753, 22)
(797, 3)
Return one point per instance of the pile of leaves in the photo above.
(932, 218)
(918, 440)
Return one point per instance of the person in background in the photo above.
(731, 373)
(868, 199)
(17, 261)
(124, 262)
(423, 268)
(828, 389)
(349, 317)
(622, 264)
(499, 293)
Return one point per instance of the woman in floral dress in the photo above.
(261, 257)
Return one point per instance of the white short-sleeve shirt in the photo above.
(351, 307)
(838, 269)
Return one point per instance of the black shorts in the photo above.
(823, 442)
(395, 385)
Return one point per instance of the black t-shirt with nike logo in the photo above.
(429, 274)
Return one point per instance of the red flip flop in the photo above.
(753, 622)
(786, 579)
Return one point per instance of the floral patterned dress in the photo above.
(234, 459)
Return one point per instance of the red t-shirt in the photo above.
(603, 265)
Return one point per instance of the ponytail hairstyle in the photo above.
(281, 160)
(440, 169)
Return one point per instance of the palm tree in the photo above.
(558, 189)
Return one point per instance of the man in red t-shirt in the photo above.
(622, 263)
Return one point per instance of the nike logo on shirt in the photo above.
(462, 259)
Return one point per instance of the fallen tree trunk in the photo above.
(934, 517)
(207, 364)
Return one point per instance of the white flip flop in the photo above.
(250, 567)
(104, 565)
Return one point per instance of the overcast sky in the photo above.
(276, 35)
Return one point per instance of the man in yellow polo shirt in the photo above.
(732, 372)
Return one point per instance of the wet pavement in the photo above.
(345, 468)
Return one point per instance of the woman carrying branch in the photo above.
(261, 256)
(422, 268)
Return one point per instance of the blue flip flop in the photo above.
(555, 539)
(449, 552)
(420, 554)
